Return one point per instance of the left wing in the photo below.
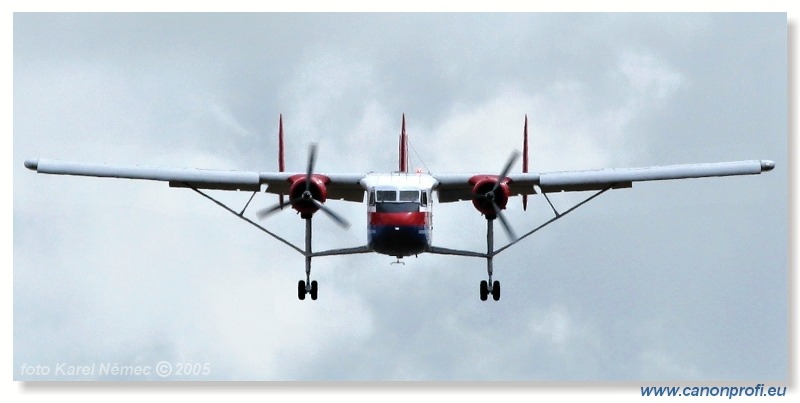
(339, 186)
(456, 187)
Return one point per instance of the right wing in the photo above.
(341, 186)
(600, 179)
(457, 187)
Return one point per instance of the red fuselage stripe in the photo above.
(398, 219)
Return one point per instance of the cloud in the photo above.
(136, 272)
(661, 365)
(646, 74)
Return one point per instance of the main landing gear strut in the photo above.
(307, 287)
(490, 287)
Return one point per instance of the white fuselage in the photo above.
(399, 212)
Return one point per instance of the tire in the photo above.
(496, 291)
(314, 290)
(484, 290)
(301, 290)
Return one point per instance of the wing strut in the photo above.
(251, 222)
(436, 250)
(550, 221)
(493, 287)
(247, 204)
(549, 202)
(330, 252)
(304, 287)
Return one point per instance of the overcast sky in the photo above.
(680, 280)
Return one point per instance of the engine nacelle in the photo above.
(483, 197)
(301, 199)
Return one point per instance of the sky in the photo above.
(679, 280)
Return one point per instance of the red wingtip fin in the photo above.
(525, 160)
(403, 147)
(281, 164)
(525, 147)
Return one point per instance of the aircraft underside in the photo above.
(398, 241)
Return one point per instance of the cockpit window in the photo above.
(385, 195)
(409, 195)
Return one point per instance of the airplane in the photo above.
(399, 203)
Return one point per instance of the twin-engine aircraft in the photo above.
(399, 203)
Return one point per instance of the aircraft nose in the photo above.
(32, 164)
(767, 165)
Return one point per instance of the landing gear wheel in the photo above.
(313, 291)
(301, 290)
(484, 290)
(496, 291)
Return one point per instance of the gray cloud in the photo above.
(676, 280)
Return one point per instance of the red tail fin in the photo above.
(403, 147)
(525, 160)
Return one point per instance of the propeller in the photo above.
(490, 196)
(306, 195)
(336, 217)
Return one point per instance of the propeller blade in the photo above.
(312, 158)
(503, 221)
(509, 164)
(339, 220)
(266, 212)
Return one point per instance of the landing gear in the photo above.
(489, 287)
(302, 290)
(307, 287)
(486, 290)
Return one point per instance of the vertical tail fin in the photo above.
(403, 148)
(281, 162)
(525, 160)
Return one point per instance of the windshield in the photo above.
(395, 196)
(402, 207)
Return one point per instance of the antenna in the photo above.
(403, 148)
